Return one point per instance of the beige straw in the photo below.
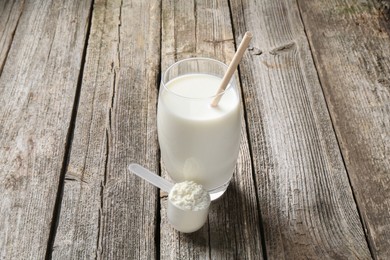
(232, 67)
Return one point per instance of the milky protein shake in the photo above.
(199, 142)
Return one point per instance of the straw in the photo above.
(232, 67)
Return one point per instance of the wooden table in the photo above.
(78, 93)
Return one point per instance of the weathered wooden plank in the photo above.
(305, 198)
(203, 29)
(37, 90)
(351, 47)
(107, 212)
(10, 12)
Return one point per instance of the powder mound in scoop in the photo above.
(189, 195)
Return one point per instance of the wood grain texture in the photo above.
(107, 212)
(37, 89)
(203, 29)
(304, 192)
(10, 13)
(351, 47)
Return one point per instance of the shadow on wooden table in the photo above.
(234, 224)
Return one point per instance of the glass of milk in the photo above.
(199, 142)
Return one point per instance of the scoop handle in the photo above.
(151, 177)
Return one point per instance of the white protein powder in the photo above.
(189, 195)
(188, 206)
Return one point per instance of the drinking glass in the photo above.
(199, 142)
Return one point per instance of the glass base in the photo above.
(219, 191)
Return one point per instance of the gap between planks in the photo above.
(157, 238)
(245, 117)
(2, 64)
(68, 144)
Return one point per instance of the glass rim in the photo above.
(191, 59)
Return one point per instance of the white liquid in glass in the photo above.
(199, 142)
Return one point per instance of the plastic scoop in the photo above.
(182, 219)
(151, 177)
